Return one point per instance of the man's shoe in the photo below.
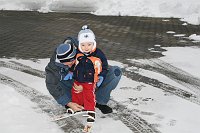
(105, 109)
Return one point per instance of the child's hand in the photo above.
(75, 107)
(68, 76)
(100, 81)
(78, 88)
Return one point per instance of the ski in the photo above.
(66, 115)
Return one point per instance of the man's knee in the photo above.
(117, 71)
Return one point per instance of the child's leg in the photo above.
(89, 101)
(89, 96)
(77, 97)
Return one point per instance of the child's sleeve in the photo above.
(104, 61)
(71, 69)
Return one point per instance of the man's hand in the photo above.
(75, 107)
(100, 81)
(68, 76)
(78, 88)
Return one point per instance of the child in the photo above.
(90, 69)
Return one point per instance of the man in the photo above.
(57, 70)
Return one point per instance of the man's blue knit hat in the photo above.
(66, 52)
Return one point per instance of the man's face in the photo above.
(69, 63)
(87, 47)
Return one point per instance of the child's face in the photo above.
(87, 46)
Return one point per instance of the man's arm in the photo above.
(104, 61)
(54, 85)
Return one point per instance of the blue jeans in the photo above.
(102, 93)
(111, 81)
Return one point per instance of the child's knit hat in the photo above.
(86, 35)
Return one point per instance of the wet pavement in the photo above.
(25, 34)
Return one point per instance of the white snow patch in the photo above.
(195, 37)
(18, 116)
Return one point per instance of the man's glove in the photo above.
(68, 76)
(100, 81)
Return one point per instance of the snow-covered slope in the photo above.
(152, 101)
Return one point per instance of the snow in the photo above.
(162, 78)
(186, 10)
(110, 126)
(195, 37)
(170, 32)
(179, 35)
(17, 115)
(186, 58)
(29, 80)
(170, 113)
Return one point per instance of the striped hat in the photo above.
(66, 52)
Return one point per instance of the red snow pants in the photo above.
(86, 98)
